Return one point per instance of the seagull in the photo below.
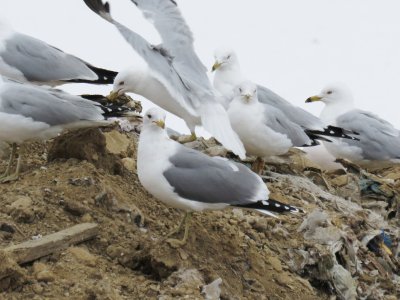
(192, 181)
(263, 129)
(27, 59)
(379, 140)
(228, 75)
(30, 112)
(175, 78)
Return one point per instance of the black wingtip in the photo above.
(115, 111)
(104, 76)
(272, 206)
(98, 6)
(333, 131)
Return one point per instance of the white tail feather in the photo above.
(214, 119)
(268, 213)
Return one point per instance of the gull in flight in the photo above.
(175, 78)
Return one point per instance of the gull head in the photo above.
(127, 81)
(247, 91)
(224, 58)
(334, 93)
(154, 118)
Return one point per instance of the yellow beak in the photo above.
(313, 99)
(247, 97)
(113, 96)
(215, 66)
(160, 123)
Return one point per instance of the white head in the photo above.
(332, 94)
(247, 92)
(154, 119)
(224, 59)
(128, 81)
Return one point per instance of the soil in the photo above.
(90, 176)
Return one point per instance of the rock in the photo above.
(42, 273)
(21, 210)
(116, 142)
(216, 151)
(45, 276)
(22, 202)
(212, 291)
(129, 164)
(340, 181)
(115, 251)
(75, 208)
(275, 263)
(87, 218)
(183, 283)
(83, 256)
(37, 288)
(11, 274)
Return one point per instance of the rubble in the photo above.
(344, 246)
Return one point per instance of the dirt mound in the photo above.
(336, 248)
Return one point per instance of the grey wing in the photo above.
(46, 105)
(157, 58)
(162, 66)
(379, 140)
(277, 121)
(198, 177)
(173, 29)
(293, 113)
(40, 62)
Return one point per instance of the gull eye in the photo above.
(228, 57)
(122, 83)
(329, 92)
(255, 91)
(149, 116)
(240, 89)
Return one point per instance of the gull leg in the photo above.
(177, 229)
(15, 176)
(187, 138)
(175, 243)
(10, 161)
(258, 165)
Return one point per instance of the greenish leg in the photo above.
(15, 176)
(175, 243)
(10, 161)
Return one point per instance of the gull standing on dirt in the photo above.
(264, 130)
(379, 140)
(192, 181)
(27, 59)
(228, 75)
(176, 80)
(29, 112)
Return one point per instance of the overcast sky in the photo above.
(292, 47)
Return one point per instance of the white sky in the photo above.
(292, 47)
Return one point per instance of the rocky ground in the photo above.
(345, 245)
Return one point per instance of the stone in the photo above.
(83, 255)
(45, 276)
(212, 291)
(75, 208)
(21, 202)
(129, 164)
(116, 142)
(275, 263)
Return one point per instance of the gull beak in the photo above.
(247, 98)
(216, 66)
(313, 99)
(113, 95)
(160, 123)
